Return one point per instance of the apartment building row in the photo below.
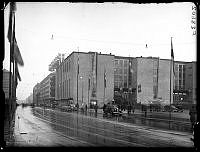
(44, 92)
(88, 77)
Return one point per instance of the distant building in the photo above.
(44, 92)
(29, 99)
(36, 94)
(90, 78)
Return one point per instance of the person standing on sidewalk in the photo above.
(192, 114)
(95, 108)
(133, 109)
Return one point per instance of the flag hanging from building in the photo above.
(11, 23)
(17, 75)
(14, 50)
(17, 54)
(104, 78)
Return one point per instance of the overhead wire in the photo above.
(58, 36)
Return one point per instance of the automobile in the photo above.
(172, 108)
(112, 109)
(65, 108)
(180, 109)
(69, 108)
(73, 107)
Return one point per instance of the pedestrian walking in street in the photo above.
(145, 110)
(133, 109)
(96, 107)
(129, 109)
(104, 107)
(77, 106)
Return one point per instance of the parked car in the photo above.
(112, 109)
(65, 108)
(68, 108)
(172, 108)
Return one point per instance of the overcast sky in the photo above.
(122, 29)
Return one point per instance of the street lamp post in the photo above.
(82, 88)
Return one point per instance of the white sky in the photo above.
(119, 28)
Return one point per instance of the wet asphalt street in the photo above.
(39, 127)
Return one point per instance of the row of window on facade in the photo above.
(66, 67)
(64, 89)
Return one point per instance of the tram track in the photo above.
(130, 133)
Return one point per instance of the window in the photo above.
(120, 78)
(154, 79)
(120, 71)
(116, 84)
(121, 63)
(69, 65)
(155, 63)
(154, 71)
(125, 63)
(116, 63)
(125, 85)
(120, 84)
(125, 71)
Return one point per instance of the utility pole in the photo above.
(88, 90)
(77, 74)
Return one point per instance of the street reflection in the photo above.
(82, 127)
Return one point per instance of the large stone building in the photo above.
(142, 80)
(86, 71)
(149, 80)
(44, 92)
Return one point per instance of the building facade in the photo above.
(36, 94)
(44, 92)
(95, 77)
(191, 82)
(81, 77)
(6, 83)
(149, 80)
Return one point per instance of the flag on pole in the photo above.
(172, 56)
(104, 78)
(88, 83)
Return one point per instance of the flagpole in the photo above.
(77, 75)
(104, 87)
(170, 85)
(9, 107)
